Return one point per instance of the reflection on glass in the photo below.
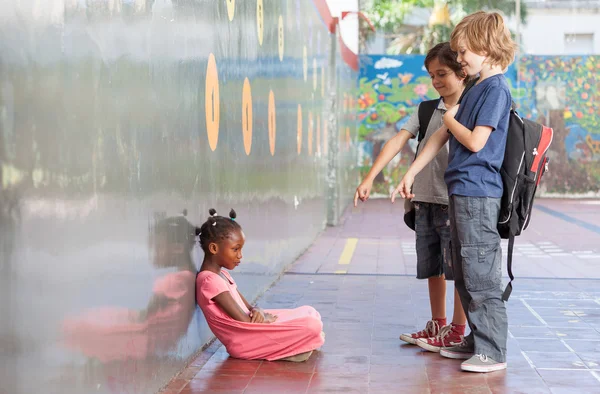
(114, 334)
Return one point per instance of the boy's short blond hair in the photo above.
(485, 33)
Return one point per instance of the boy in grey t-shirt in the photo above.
(431, 203)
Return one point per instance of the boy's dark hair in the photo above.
(447, 57)
(216, 228)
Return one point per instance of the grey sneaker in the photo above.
(463, 351)
(482, 363)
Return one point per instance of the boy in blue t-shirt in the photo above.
(477, 131)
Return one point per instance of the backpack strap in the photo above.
(513, 228)
(426, 110)
(511, 244)
(470, 84)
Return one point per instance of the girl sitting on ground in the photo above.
(247, 331)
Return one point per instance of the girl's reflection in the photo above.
(117, 334)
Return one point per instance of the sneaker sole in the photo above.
(455, 355)
(483, 368)
(408, 339)
(424, 345)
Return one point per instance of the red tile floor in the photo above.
(360, 276)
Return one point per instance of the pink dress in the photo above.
(295, 331)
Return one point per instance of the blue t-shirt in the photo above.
(478, 174)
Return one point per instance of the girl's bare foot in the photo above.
(298, 358)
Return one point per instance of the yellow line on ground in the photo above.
(348, 251)
(340, 272)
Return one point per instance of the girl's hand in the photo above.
(257, 315)
(404, 188)
(269, 318)
(363, 191)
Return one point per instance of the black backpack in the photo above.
(525, 162)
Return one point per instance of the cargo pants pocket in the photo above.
(482, 266)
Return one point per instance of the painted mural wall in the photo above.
(121, 124)
(559, 91)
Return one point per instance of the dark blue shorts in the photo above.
(432, 227)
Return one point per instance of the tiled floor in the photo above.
(366, 292)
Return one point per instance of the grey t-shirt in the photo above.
(429, 184)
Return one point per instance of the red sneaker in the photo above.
(432, 329)
(448, 336)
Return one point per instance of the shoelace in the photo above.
(431, 327)
(482, 357)
(444, 332)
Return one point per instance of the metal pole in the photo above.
(331, 178)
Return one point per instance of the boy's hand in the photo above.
(404, 188)
(450, 114)
(363, 191)
(452, 111)
(257, 315)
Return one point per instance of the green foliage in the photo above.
(389, 18)
(388, 15)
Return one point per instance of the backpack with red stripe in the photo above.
(525, 162)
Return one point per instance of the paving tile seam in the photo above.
(412, 276)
